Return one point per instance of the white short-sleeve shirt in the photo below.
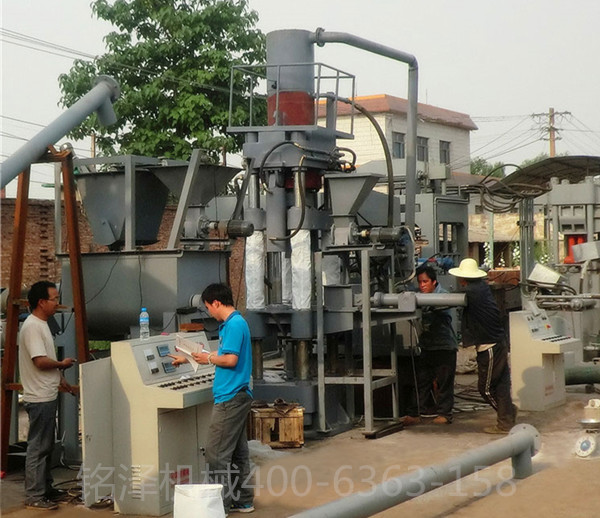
(35, 339)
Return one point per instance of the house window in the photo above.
(444, 152)
(422, 149)
(397, 145)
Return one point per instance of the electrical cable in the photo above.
(168, 323)
(414, 367)
(105, 282)
(139, 258)
(301, 187)
(500, 197)
(352, 152)
(264, 161)
(387, 155)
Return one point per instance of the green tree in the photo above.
(172, 59)
(482, 167)
(538, 158)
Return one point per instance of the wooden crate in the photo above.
(276, 428)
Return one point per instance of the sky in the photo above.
(500, 62)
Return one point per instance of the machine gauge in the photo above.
(163, 350)
(168, 367)
(585, 445)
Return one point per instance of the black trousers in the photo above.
(439, 365)
(494, 383)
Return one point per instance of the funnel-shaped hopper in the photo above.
(103, 197)
(349, 191)
(210, 180)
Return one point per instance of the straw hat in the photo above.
(467, 270)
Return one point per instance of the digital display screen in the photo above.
(163, 350)
(168, 367)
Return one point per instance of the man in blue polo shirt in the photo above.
(227, 455)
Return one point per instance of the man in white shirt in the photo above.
(41, 377)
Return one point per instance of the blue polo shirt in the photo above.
(234, 338)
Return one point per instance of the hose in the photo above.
(302, 205)
(387, 154)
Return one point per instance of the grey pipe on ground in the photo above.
(522, 443)
(582, 374)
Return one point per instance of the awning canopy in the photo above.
(573, 168)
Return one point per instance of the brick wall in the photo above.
(40, 261)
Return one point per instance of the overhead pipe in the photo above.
(321, 37)
(522, 443)
(99, 99)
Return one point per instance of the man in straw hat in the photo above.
(482, 327)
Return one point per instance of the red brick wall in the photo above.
(40, 261)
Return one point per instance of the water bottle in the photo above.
(144, 324)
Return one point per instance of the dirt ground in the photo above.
(562, 485)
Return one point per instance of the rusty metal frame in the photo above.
(16, 276)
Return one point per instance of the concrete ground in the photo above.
(562, 484)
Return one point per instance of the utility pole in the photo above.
(552, 133)
(550, 128)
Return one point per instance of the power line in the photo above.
(22, 121)
(501, 148)
(43, 43)
(467, 159)
(36, 49)
(513, 149)
(4, 134)
(505, 133)
(91, 58)
(10, 135)
(593, 136)
(497, 118)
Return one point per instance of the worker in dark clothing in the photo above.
(482, 327)
(437, 360)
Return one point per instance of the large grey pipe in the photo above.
(582, 375)
(99, 99)
(522, 443)
(421, 299)
(321, 37)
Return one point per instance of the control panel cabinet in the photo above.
(158, 416)
(537, 358)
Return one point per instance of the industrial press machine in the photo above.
(325, 287)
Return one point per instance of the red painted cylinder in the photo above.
(295, 109)
(313, 180)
